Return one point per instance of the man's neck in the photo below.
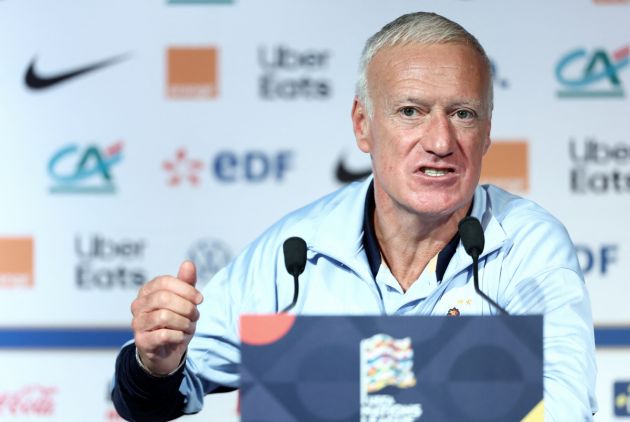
(409, 241)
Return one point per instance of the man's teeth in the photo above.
(434, 172)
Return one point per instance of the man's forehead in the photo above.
(420, 49)
(458, 62)
(446, 63)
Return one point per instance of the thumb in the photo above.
(187, 272)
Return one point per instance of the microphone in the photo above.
(471, 233)
(294, 249)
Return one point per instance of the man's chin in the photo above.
(440, 208)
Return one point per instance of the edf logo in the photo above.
(252, 166)
(594, 74)
(597, 259)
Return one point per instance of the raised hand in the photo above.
(165, 318)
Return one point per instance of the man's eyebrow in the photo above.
(467, 102)
(407, 100)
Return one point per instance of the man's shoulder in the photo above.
(342, 206)
(508, 206)
(531, 233)
(519, 216)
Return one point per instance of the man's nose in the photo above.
(439, 136)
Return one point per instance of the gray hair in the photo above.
(421, 28)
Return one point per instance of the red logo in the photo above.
(182, 169)
(29, 400)
(112, 415)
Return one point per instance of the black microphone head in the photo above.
(294, 255)
(471, 233)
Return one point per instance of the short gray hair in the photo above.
(421, 28)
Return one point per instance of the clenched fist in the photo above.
(164, 319)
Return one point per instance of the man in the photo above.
(387, 245)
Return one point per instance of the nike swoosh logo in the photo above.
(34, 80)
(344, 175)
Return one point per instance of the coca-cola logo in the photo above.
(112, 415)
(29, 400)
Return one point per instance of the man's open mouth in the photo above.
(433, 172)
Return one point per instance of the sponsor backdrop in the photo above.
(134, 135)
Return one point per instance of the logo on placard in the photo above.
(76, 169)
(599, 167)
(506, 164)
(293, 74)
(209, 256)
(622, 398)
(183, 169)
(192, 73)
(106, 263)
(16, 262)
(592, 74)
(597, 259)
(38, 81)
(30, 401)
(386, 362)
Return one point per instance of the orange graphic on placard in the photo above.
(259, 330)
(16, 262)
(192, 73)
(506, 164)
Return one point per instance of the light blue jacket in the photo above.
(528, 266)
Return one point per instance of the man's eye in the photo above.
(464, 114)
(408, 111)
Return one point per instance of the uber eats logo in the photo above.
(293, 74)
(599, 167)
(109, 263)
(592, 74)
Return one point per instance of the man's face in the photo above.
(429, 127)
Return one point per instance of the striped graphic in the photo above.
(386, 362)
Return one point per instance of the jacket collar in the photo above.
(493, 232)
(339, 232)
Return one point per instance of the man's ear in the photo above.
(487, 142)
(360, 125)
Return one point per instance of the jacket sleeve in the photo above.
(542, 275)
(138, 396)
(247, 285)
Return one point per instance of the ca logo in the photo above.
(84, 171)
(592, 75)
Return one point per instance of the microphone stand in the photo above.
(475, 258)
(296, 287)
